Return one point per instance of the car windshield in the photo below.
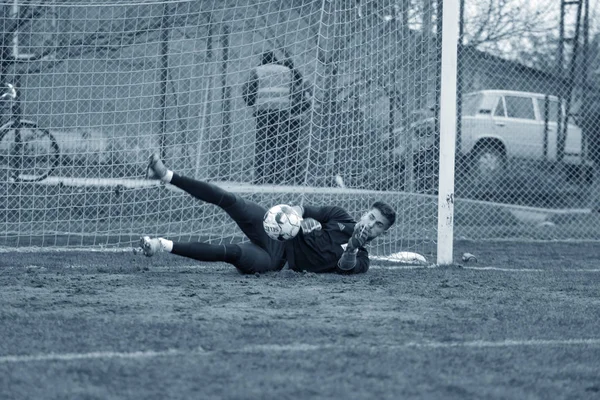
(471, 103)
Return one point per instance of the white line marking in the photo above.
(507, 269)
(222, 266)
(295, 347)
(505, 343)
(89, 356)
(531, 269)
(400, 267)
(92, 249)
(499, 269)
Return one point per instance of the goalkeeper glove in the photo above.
(309, 224)
(359, 237)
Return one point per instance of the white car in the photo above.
(500, 125)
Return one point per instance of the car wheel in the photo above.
(488, 164)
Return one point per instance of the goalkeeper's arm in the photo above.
(348, 260)
(353, 262)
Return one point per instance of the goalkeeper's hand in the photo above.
(309, 224)
(359, 237)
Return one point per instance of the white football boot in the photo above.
(150, 246)
(156, 169)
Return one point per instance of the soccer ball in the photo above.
(281, 222)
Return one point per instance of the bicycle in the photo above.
(28, 153)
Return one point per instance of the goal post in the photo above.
(447, 117)
(126, 79)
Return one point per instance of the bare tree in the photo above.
(502, 26)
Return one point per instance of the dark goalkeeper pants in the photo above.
(262, 253)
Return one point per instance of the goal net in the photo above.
(115, 81)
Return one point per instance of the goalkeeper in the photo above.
(329, 241)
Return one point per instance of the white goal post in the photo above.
(448, 90)
(120, 80)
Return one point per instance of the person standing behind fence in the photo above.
(276, 93)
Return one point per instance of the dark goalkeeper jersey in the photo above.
(320, 251)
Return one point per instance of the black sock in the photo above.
(204, 191)
(229, 253)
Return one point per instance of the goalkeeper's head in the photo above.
(378, 219)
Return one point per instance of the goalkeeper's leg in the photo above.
(247, 257)
(248, 215)
(201, 190)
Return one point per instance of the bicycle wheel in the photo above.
(27, 153)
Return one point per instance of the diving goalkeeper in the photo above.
(329, 240)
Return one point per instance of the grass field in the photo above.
(522, 322)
